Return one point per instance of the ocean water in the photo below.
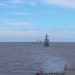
(28, 58)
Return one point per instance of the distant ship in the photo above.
(37, 42)
(46, 41)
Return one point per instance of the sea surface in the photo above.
(28, 58)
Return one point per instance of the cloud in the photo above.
(64, 36)
(64, 3)
(15, 34)
(32, 2)
(18, 23)
(18, 13)
(16, 1)
(18, 35)
(2, 5)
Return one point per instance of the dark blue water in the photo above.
(28, 58)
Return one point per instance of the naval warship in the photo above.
(46, 41)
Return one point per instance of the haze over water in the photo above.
(28, 58)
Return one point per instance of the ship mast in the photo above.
(46, 36)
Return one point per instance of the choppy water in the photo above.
(28, 58)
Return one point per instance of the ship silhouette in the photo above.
(46, 41)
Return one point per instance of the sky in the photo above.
(30, 20)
